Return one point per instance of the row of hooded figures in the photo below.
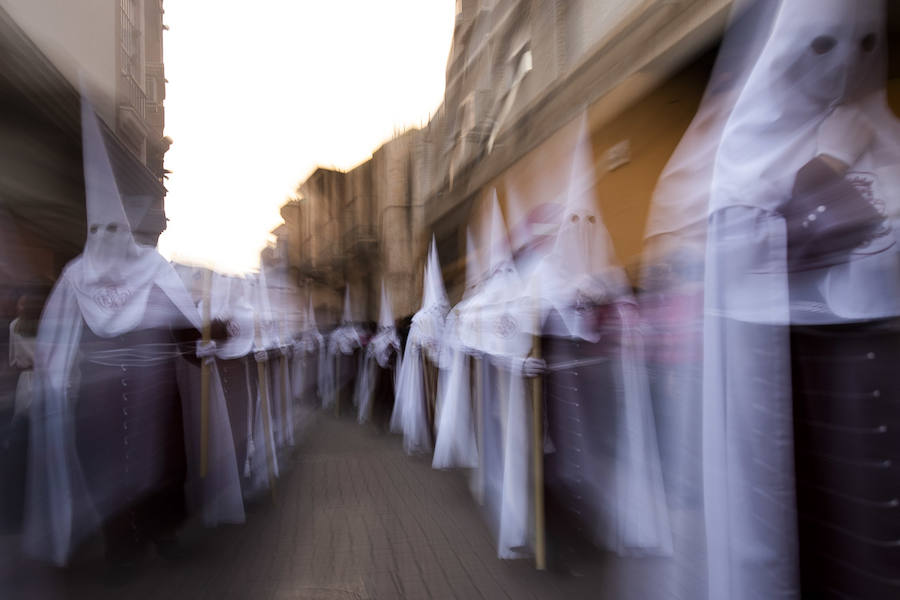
(731, 419)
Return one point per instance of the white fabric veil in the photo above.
(284, 319)
(378, 354)
(427, 328)
(229, 302)
(500, 322)
(311, 346)
(107, 289)
(672, 282)
(579, 273)
(425, 338)
(455, 444)
(264, 446)
(344, 340)
(581, 267)
(823, 60)
(680, 203)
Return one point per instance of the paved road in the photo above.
(354, 518)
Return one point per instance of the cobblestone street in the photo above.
(354, 518)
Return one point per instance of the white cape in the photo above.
(59, 511)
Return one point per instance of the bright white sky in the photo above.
(261, 93)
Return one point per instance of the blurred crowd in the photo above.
(732, 415)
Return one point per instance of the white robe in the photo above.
(59, 511)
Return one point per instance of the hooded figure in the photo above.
(281, 346)
(604, 475)
(302, 385)
(344, 346)
(455, 445)
(376, 385)
(263, 468)
(499, 324)
(309, 352)
(676, 224)
(115, 421)
(801, 329)
(414, 408)
(672, 293)
(230, 303)
(237, 303)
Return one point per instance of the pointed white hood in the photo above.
(347, 315)
(499, 251)
(475, 270)
(113, 277)
(311, 324)
(385, 314)
(499, 320)
(310, 338)
(386, 337)
(581, 270)
(427, 328)
(435, 295)
(346, 337)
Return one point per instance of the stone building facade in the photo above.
(114, 50)
(521, 76)
(47, 48)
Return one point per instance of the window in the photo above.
(132, 46)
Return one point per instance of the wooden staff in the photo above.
(337, 382)
(262, 377)
(204, 377)
(285, 384)
(540, 539)
(476, 388)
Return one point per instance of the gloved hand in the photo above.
(261, 356)
(206, 351)
(533, 367)
(845, 134)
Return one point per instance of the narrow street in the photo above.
(354, 518)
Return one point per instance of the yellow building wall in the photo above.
(652, 126)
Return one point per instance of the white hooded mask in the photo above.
(822, 58)
(310, 338)
(386, 336)
(113, 277)
(581, 270)
(427, 328)
(500, 318)
(346, 338)
(821, 54)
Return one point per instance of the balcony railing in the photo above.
(156, 117)
(134, 97)
(154, 69)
